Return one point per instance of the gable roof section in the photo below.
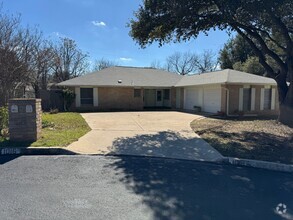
(129, 76)
(222, 77)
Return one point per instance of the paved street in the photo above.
(97, 187)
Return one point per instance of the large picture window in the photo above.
(86, 96)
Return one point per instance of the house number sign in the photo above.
(14, 108)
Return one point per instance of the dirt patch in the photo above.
(250, 139)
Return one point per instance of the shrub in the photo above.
(3, 118)
(69, 97)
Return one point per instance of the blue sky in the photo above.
(99, 28)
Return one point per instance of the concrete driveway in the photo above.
(159, 134)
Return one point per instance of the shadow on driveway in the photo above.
(168, 144)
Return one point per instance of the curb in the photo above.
(258, 164)
(35, 151)
(226, 160)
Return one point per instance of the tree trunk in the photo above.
(286, 107)
(37, 91)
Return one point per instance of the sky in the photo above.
(100, 28)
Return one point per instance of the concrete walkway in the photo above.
(160, 134)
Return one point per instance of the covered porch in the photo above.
(158, 98)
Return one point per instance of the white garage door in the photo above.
(212, 100)
(191, 98)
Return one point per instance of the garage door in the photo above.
(212, 100)
(191, 98)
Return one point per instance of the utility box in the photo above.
(25, 119)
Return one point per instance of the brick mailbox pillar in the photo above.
(25, 119)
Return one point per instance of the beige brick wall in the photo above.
(119, 98)
(114, 98)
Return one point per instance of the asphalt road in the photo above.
(96, 187)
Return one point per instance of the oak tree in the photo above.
(260, 22)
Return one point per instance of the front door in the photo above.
(159, 98)
(149, 97)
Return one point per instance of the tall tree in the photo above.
(42, 67)
(235, 50)
(185, 63)
(156, 64)
(237, 54)
(206, 62)
(181, 63)
(260, 23)
(103, 64)
(15, 56)
(69, 60)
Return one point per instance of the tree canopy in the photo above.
(28, 59)
(266, 25)
(237, 54)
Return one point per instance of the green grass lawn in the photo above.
(58, 130)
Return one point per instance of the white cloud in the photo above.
(125, 59)
(99, 23)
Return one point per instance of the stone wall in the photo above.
(25, 119)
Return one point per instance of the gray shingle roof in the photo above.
(224, 76)
(150, 77)
(129, 76)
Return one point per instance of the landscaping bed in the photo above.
(58, 130)
(259, 139)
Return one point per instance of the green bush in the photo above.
(68, 96)
(3, 118)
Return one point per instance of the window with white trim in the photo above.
(86, 96)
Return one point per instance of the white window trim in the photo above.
(262, 98)
(96, 97)
(252, 105)
(77, 96)
(86, 87)
(273, 101)
(240, 99)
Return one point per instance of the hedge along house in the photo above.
(131, 88)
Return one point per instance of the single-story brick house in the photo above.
(133, 88)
